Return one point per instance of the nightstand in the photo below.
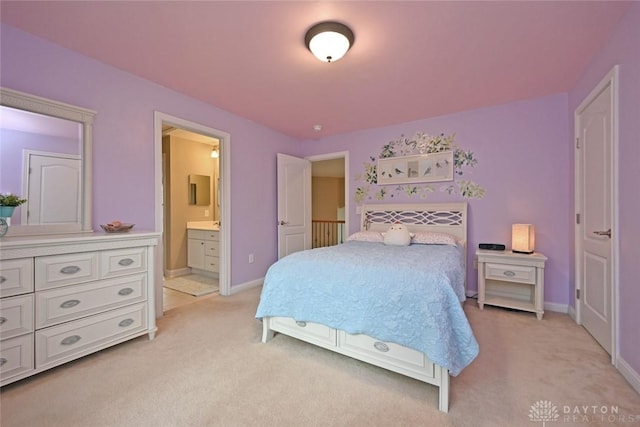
(511, 280)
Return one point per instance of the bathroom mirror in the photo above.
(199, 190)
(45, 157)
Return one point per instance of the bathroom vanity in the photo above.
(203, 247)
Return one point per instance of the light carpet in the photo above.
(193, 284)
(207, 367)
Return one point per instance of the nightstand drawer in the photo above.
(511, 273)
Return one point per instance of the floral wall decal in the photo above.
(421, 143)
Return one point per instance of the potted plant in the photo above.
(8, 203)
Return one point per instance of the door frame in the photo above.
(159, 119)
(611, 79)
(339, 155)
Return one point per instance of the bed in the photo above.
(399, 308)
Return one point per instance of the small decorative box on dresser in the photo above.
(63, 297)
(511, 280)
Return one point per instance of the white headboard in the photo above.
(442, 217)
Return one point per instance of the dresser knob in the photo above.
(70, 269)
(125, 262)
(125, 291)
(301, 323)
(2, 320)
(126, 322)
(70, 303)
(3, 279)
(70, 340)
(3, 361)
(509, 273)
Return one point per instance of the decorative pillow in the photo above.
(397, 235)
(367, 236)
(433, 238)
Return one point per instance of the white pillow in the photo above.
(433, 238)
(367, 236)
(397, 235)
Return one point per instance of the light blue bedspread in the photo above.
(408, 295)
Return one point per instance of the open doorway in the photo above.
(329, 199)
(192, 211)
(190, 178)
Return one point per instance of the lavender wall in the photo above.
(123, 157)
(524, 153)
(523, 158)
(624, 49)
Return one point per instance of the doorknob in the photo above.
(603, 233)
(283, 223)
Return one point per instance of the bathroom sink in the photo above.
(203, 225)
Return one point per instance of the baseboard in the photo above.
(172, 274)
(246, 285)
(572, 313)
(628, 373)
(558, 308)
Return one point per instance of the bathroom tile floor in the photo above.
(173, 299)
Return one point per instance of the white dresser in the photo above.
(63, 297)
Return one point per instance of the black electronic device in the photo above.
(492, 246)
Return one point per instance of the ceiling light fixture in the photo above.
(329, 41)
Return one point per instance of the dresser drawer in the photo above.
(60, 270)
(370, 349)
(16, 356)
(72, 302)
(16, 276)
(68, 341)
(211, 248)
(306, 331)
(510, 273)
(16, 316)
(123, 261)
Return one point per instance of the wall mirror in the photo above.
(45, 157)
(199, 190)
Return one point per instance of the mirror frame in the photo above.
(35, 104)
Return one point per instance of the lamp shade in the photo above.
(329, 41)
(523, 238)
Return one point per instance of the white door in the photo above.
(596, 197)
(294, 205)
(53, 189)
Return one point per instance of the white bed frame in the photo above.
(442, 217)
